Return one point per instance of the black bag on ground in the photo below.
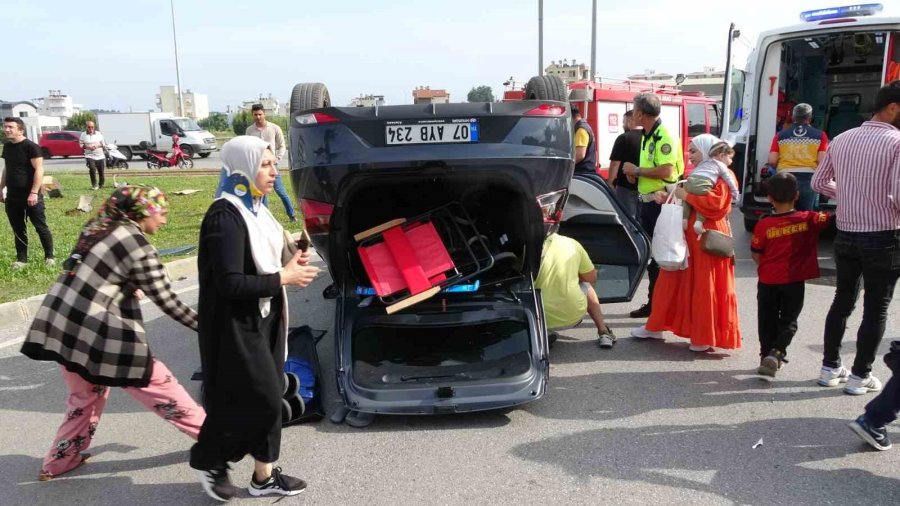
(303, 377)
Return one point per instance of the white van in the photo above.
(835, 60)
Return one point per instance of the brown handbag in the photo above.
(716, 243)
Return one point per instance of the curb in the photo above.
(22, 311)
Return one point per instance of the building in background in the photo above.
(270, 104)
(58, 104)
(425, 95)
(196, 105)
(20, 109)
(709, 81)
(568, 72)
(368, 101)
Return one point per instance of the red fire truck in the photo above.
(604, 102)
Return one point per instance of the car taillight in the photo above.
(551, 205)
(316, 117)
(547, 110)
(316, 215)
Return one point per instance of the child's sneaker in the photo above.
(606, 339)
(876, 436)
(771, 363)
(859, 386)
(277, 484)
(833, 376)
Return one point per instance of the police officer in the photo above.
(585, 147)
(662, 164)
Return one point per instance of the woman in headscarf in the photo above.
(699, 303)
(91, 324)
(243, 325)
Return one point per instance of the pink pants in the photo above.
(164, 395)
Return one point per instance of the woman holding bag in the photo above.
(699, 303)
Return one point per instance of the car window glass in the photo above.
(696, 119)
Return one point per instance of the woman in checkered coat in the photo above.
(91, 324)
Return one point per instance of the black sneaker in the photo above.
(279, 484)
(217, 484)
(641, 312)
(876, 436)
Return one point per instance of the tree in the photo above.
(241, 121)
(216, 122)
(79, 119)
(481, 94)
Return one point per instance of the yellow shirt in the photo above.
(581, 138)
(563, 260)
(660, 149)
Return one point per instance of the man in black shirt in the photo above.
(22, 180)
(627, 148)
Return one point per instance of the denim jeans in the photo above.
(283, 195)
(871, 261)
(809, 200)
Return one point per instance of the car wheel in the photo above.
(126, 152)
(204, 155)
(750, 223)
(307, 96)
(546, 88)
(188, 150)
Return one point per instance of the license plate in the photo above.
(437, 133)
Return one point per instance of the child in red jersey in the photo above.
(784, 248)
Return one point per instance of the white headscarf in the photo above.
(241, 158)
(704, 143)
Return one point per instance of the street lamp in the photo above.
(177, 71)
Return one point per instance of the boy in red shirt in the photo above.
(785, 250)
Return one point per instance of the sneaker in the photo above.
(217, 484)
(876, 436)
(833, 376)
(641, 312)
(95, 187)
(19, 265)
(700, 349)
(859, 386)
(50, 262)
(606, 339)
(771, 363)
(278, 484)
(642, 333)
(293, 219)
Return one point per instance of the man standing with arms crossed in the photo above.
(862, 169)
(661, 164)
(271, 133)
(22, 180)
(92, 142)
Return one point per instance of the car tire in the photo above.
(307, 96)
(546, 88)
(204, 155)
(126, 152)
(46, 153)
(750, 223)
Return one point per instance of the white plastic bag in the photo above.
(669, 247)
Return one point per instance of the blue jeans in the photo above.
(809, 200)
(868, 260)
(283, 195)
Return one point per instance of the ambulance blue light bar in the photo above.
(847, 11)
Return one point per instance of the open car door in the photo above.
(615, 242)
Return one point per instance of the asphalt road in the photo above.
(645, 423)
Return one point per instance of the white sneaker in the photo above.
(95, 187)
(700, 349)
(18, 265)
(50, 262)
(860, 386)
(642, 333)
(832, 377)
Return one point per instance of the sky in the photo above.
(116, 54)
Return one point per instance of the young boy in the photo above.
(784, 247)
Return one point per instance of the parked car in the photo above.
(65, 144)
(509, 165)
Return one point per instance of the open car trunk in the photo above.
(457, 351)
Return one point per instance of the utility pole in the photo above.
(540, 37)
(593, 71)
(177, 71)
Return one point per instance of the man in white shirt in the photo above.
(94, 155)
(271, 133)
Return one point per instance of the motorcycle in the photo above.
(157, 159)
(114, 158)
